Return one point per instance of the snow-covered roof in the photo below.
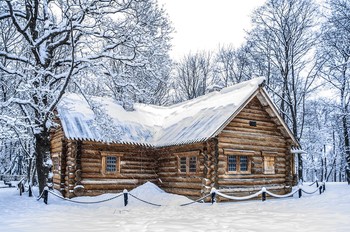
(191, 121)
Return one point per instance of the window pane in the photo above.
(183, 164)
(232, 163)
(111, 163)
(193, 164)
(243, 162)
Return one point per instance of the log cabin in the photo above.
(233, 139)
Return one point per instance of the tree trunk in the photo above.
(346, 146)
(42, 152)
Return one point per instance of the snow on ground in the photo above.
(327, 212)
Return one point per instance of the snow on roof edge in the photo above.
(187, 122)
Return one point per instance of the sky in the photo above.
(206, 24)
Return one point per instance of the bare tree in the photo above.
(232, 65)
(59, 40)
(193, 75)
(283, 38)
(334, 53)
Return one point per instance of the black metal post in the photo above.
(30, 191)
(125, 192)
(45, 195)
(20, 189)
(263, 196)
(320, 188)
(213, 195)
(300, 193)
(316, 183)
(324, 186)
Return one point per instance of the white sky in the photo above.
(204, 24)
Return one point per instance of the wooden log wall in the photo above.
(192, 185)
(136, 164)
(240, 136)
(58, 155)
(71, 167)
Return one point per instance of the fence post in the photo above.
(316, 183)
(299, 192)
(125, 192)
(30, 191)
(263, 195)
(213, 195)
(324, 186)
(46, 194)
(320, 188)
(20, 189)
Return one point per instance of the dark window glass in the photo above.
(111, 163)
(232, 163)
(193, 164)
(183, 164)
(243, 163)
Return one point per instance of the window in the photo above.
(183, 166)
(232, 163)
(187, 164)
(238, 161)
(110, 163)
(192, 164)
(252, 123)
(243, 163)
(238, 164)
(269, 165)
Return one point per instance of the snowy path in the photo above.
(327, 212)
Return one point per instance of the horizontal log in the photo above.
(167, 174)
(91, 170)
(185, 192)
(251, 176)
(120, 187)
(56, 146)
(184, 179)
(168, 164)
(242, 141)
(252, 136)
(243, 182)
(90, 160)
(242, 128)
(250, 147)
(182, 185)
(167, 169)
(137, 165)
(137, 171)
(140, 176)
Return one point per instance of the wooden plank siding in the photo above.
(265, 136)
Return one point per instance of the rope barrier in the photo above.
(282, 196)
(264, 190)
(239, 198)
(309, 192)
(196, 201)
(212, 194)
(313, 183)
(41, 195)
(85, 202)
(147, 202)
